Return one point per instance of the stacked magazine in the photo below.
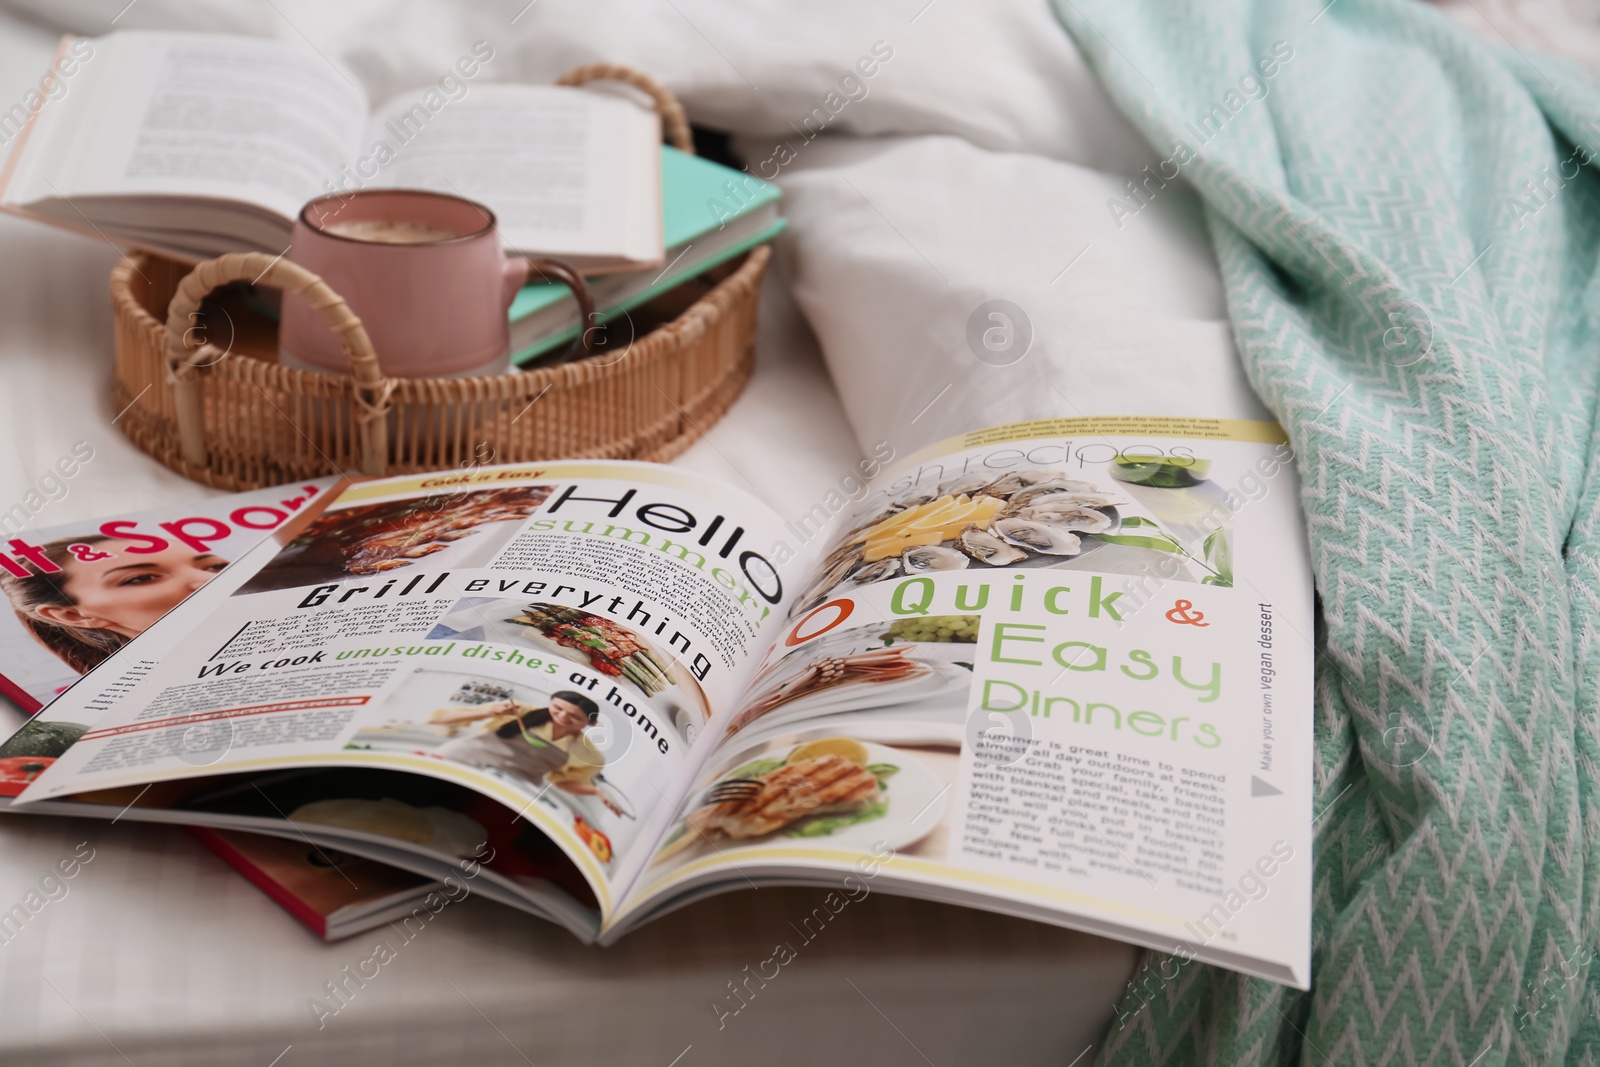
(1057, 669)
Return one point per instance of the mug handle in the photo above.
(547, 268)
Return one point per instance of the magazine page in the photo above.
(552, 636)
(78, 592)
(1060, 669)
(436, 829)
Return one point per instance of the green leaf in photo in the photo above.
(883, 772)
(1218, 548)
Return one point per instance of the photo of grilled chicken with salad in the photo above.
(827, 790)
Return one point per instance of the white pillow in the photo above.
(894, 243)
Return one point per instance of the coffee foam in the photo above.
(388, 231)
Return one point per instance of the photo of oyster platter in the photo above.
(1027, 518)
(834, 791)
(921, 665)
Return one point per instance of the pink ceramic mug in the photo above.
(425, 273)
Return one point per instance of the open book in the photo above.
(1059, 669)
(194, 145)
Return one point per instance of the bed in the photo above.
(978, 163)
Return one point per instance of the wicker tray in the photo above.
(235, 419)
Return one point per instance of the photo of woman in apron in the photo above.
(538, 745)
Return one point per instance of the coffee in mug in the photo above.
(387, 231)
(426, 274)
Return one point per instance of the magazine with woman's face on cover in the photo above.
(1056, 669)
(80, 591)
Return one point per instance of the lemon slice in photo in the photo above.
(844, 747)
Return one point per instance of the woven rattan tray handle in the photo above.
(673, 120)
(185, 365)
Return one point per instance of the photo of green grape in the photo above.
(958, 629)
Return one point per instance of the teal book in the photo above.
(710, 213)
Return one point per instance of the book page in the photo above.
(1059, 669)
(552, 163)
(549, 639)
(195, 115)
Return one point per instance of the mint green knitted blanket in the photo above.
(1408, 224)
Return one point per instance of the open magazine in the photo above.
(1058, 669)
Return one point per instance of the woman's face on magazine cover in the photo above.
(125, 592)
(567, 717)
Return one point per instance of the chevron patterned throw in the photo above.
(1408, 224)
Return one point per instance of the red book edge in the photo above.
(18, 696)
(318, 924)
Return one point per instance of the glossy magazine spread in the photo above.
(1058, 669)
